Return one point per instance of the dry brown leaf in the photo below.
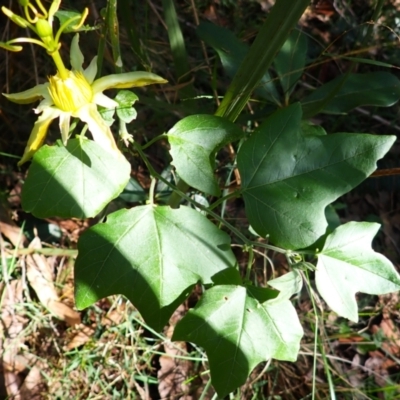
(40, 277)
(378, 363)
(173, 371)
(12, 233)
(113, 317)
(392, 335)
(84, 334)
(11, 326)
(33, 387)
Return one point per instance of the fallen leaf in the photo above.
(391, 333)
(11, 326)
(33, 387)
(40, 277)
(83, 335)
(12, 233)
(173, 371)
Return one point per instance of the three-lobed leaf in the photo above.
(194, 142)
(73, 181)
(347, 264)
(153, 256)
(378, 88)
(240, 327)
(290, 176)
(125, 111)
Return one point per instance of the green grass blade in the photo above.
(133, 36)
(178, 49)
(281, 20)
(113, 31)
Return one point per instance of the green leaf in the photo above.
(64, 15)
(347, 264)
(240, 327)
(125, 111)
(280, 21)
(381, 89)
(133, 192)
(153, 256)
(289, 62)
(232, 52)
(77, 180)
(288, 178)
(287, 284)
(194, 142)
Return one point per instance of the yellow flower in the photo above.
(77, 95)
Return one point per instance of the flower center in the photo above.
(72, 93)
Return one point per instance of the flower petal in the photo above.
(45, 103)
(91, 71)
(38, 133)
(99, 129)
(64, 126)
(55, 5)
(104, 101)
(126, 80)
(76, 56)
(29, 96)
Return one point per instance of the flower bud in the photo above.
(23, 23)
(44, 29)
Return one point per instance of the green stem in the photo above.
(27, 40)
(159, 137)
(59, 64)
(325, 361)
(310, 292)
(249, 262)
(152, 189)
(230, 195)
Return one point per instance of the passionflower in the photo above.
(75, 93)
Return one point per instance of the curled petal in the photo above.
(126, 80)
(64, 126)
(98, 128)
(29, 96)
(10, 47)
(76, 56)
(55, 5)
(104, 101)
(91, 71)
(45, 103)
(38, 133)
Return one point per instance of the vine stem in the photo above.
(157, 138)
(152, 188)
(182, 195)
(230, 195)
(249, 262)
(328, 374)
